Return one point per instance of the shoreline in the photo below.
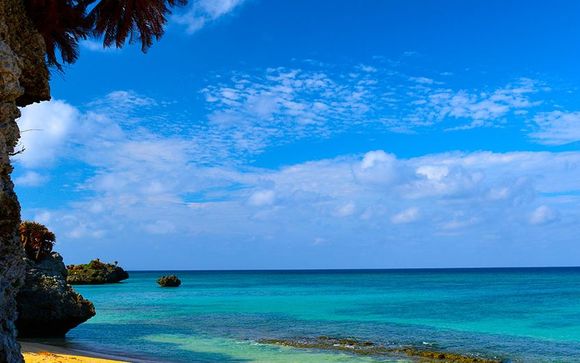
(46, 353)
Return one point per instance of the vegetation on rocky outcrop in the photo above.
(95, 272)
(36, 239)
(367, 348)
(47, 305)
(169, 281)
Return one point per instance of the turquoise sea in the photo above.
(520, 315)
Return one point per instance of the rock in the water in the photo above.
(368, 348)
(95, 273)
(169, 281)
(47, 305)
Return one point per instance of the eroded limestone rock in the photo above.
(23, 80)
(47, 305)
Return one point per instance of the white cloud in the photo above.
(374, 158)
(97, 46)
(406, 216)
(345, 210)
(284, 104)
(262, 198)
(149, 185)
(424, 80)
(45, 127)
(377, 167)
(543, 215)
(137, 181)
(557, 128)
(433, 172)
(30, 179)
(478, 108)
(203, 12)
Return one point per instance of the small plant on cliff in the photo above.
(169, 281)
(36, 239)
(62, 23)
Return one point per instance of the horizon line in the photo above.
(361, 269)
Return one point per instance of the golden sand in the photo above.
(41, 353)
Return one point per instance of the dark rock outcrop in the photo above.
(47, 305)
(169, 281)
(95, 273)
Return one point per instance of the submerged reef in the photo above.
(169, 281)
(47, 305)
(95, 273)
(361, 347)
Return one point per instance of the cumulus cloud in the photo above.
(45, 128)
(455, 195)
(203, 12)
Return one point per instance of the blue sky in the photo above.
(300, 134)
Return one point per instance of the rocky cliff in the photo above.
(47, 305)
(23, 80)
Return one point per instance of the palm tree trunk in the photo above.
(23, 80)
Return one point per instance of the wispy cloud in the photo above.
(286, 104)
(406, 216)
(203, 12)
(289, 103)
(557, 128)
(477, 108)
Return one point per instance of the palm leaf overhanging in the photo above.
(63, 23)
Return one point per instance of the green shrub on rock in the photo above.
(95, 272)
(36, 239)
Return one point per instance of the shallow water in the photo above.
(517, 314)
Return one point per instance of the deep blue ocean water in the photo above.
(527, 315)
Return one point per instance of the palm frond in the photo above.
(120, 20)
(62, 23)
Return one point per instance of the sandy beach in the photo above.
(37, 353)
